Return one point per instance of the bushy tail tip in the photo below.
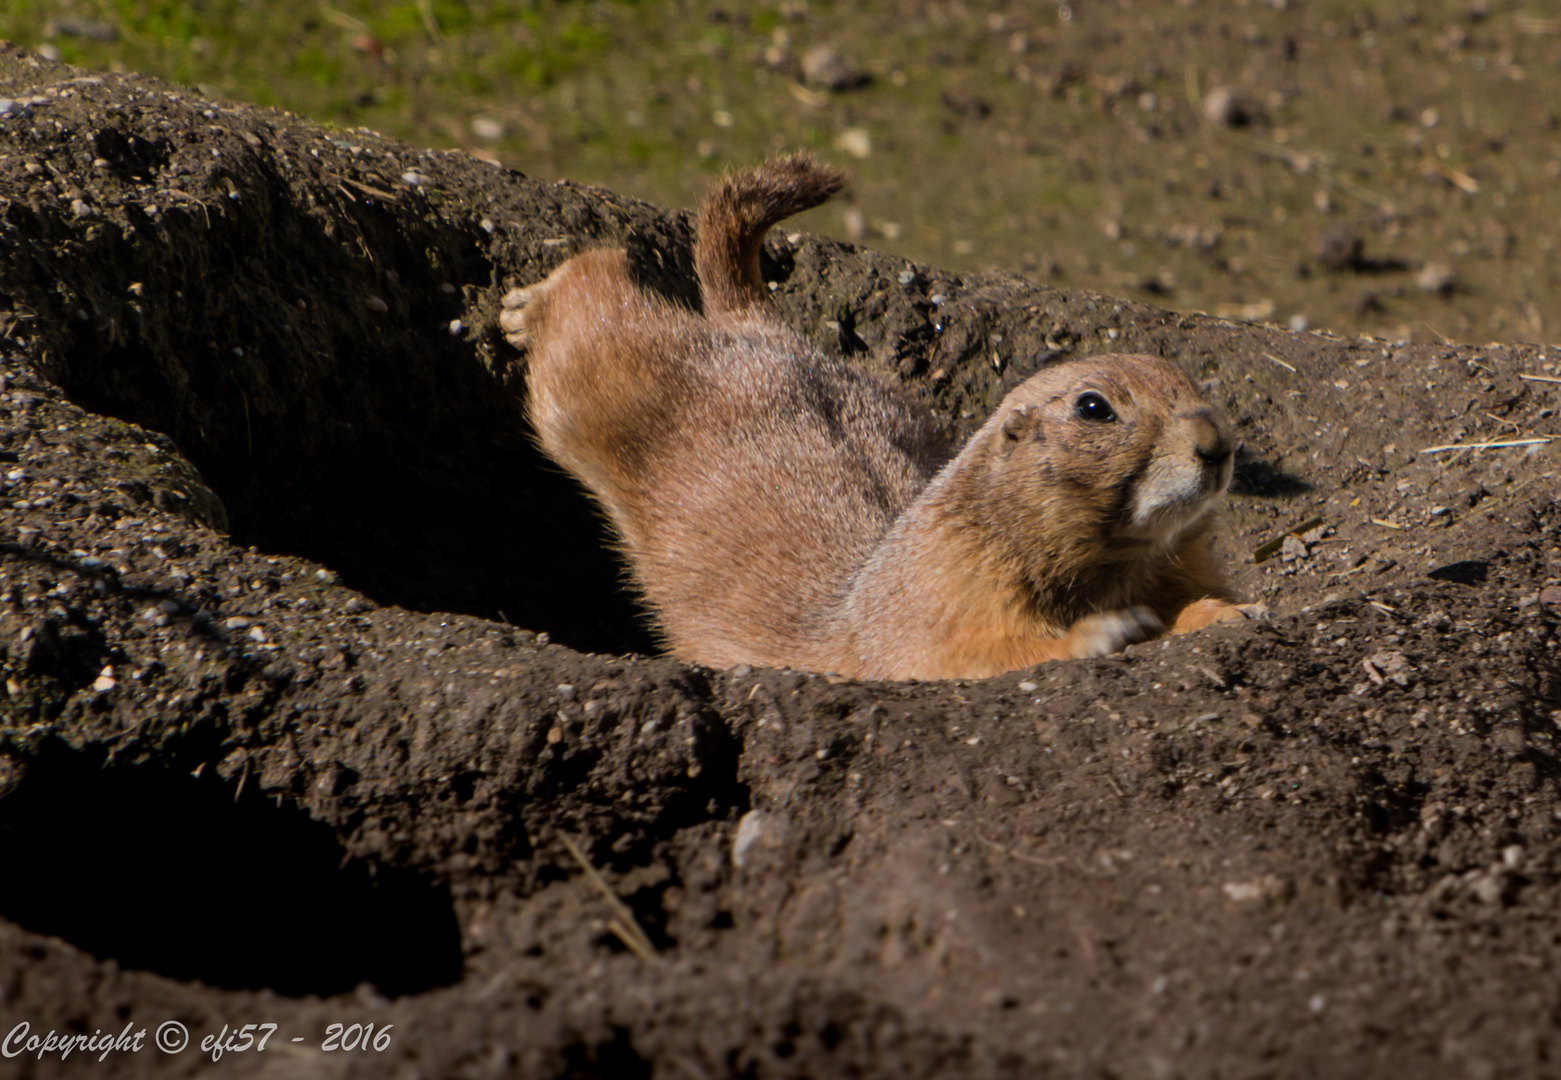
(737, 214)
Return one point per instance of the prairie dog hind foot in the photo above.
(1203, 613)
(512, 316)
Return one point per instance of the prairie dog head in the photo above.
(1125, 449)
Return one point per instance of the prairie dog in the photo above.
(784, 508)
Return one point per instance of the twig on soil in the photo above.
(1012, 854)
(1387, 524)
(1269, 548)
(694, 1071)
(1494, 445)
(370, 188)
(624, 926)
(811, 98)
(1540, 378)
(425, 9)
(1278, 361)
(187, 197)
(343, 21)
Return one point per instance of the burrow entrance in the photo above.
(165, 872)
(301, 356)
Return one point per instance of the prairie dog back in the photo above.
(747, 475)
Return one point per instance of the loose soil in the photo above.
(312, 665)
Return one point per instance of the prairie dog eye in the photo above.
(1092, 406)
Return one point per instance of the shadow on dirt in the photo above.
(167, 872)
(1262, 479)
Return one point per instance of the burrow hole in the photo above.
(165, 872)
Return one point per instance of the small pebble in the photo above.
(376, 305)
(1269, 887)
(1340, 247)
(855, 141)
(105, 680)
(237, 623)
(416, 179)
(1440, 278)
(456, 326)
(1221, 106)
(749, 828)
(1489, 888)
(823, 66)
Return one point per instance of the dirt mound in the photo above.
(235, 791)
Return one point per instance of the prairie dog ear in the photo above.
(1019, 427)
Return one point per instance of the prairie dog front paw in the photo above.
(1111, 631)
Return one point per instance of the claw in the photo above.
(512, 319)
(1112, 631)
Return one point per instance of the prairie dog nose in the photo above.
(1208, 438)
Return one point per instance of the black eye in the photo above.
(1092, 406)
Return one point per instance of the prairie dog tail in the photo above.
(736, 215)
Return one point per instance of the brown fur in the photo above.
(780, 507)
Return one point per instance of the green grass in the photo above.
(1089, 165)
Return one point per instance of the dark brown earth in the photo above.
(235, 791)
